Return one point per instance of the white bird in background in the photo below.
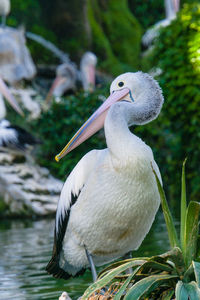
(4, 10)
(67, 76)
(12, 138)
(171, 9)
(87, 71)
(110, 199)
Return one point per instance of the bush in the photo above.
(177, 53)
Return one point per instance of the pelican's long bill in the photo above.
(93, 124)
(58, 81)
(9, 97)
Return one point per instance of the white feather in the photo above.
(7, 135)
(75, 182)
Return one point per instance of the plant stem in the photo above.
(183, 205)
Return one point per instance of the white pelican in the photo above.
(12, 138)
(67, 76)
(109, 201)
(4, 10)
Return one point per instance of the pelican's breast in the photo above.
(113, 203)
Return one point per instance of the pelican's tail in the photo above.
(54, 269)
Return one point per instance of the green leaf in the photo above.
(107, 278)
(196, 266)
(181, 292)
(183, 204)
(191, 232)
(173, 239)
(124, 286)
(147, 285)
(138, 261)
(185, 291)
(177, 257)
(168, 295)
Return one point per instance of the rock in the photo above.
(27, 189)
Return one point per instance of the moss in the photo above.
(116, 35)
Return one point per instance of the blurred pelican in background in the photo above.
(171, 9)
(4, 10)
(13, 138)
(68, 76)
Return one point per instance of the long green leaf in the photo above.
(187, 291)
(183, 205)
(173, 239)
(124, 286)
(114, 265)
(196, 266)
(191, 232)
(107, 278)
(147, 285)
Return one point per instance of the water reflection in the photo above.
(25, 249)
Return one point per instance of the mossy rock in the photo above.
(116, 35)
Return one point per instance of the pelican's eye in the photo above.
(121, 83)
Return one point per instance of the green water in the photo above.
(25, 248)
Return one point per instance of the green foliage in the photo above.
(147, 12)
(175, 273)
(176, 52)
(116, 35)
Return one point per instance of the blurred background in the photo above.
(156, 36)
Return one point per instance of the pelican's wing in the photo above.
(69, 195)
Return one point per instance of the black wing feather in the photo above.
(53, 265)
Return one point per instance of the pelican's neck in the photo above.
(2, 108)
(121, 142)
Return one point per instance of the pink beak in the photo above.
(9, 97)
(91, 77)
(58, 81)
(93, 124)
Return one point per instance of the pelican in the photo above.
(67, 76)
(109, 201)
(4, 10)
(12, 138)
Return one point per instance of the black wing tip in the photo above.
(54, 269)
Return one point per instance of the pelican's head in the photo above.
(144, 93)
(137, 95)
(64, 81)
(87, 66)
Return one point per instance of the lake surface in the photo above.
(25, 249)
